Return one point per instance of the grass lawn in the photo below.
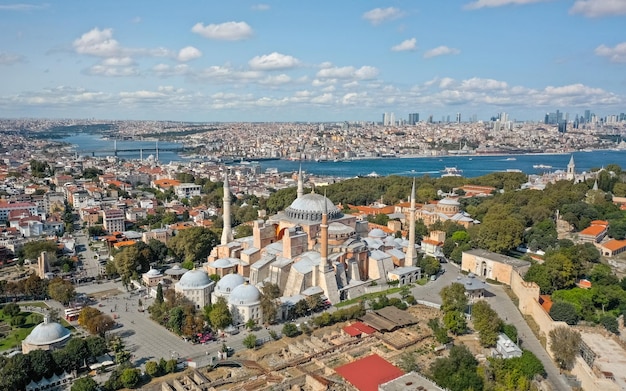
(13, 336)
(368, 296)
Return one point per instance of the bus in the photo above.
(71, 314)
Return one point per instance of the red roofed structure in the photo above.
(368, 373)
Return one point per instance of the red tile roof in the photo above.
(363, 328)
(368, 373)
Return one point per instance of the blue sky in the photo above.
(311, 60)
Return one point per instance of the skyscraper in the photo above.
(587, 116)
(458, 118)
(414, 118)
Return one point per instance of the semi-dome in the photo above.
(244, 294)
(310, 207)
(47, 333)
(196, 278)
(377, 233)
(228, 283)
(222, 263)
(449, 201)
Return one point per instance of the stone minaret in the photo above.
(227, 232)
(411, 256)
(300, 183)
(570, 169)
(324, 236)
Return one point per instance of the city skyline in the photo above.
(323, 61)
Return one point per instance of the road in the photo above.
(91, 266)
(506, 309)
(149, 341)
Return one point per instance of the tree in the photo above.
(188, 264)
(193, 244)
(250, 324)
(32, 250)
(96, 346)
(455, 322)
(486, 322)
(130, 377)
(77, 350)
(152, 368)
(159, 294)
(510, 331)
(441, 334)
(41, 364)
(457, 372)
(564, 312)
(453, 297)
(429, 265)
(290, 330)
(61, 290)
(610, 323)
(220, 316)
(565, 344)
(11, 309)
(249, 341)
(85, 384)
(170, 366)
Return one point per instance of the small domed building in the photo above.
(245, 304)
(196, 286)
(46, 336)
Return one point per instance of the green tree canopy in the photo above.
(193, 244)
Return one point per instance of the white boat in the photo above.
(373, 174)
(542, 166)
(510, 158)
(452, 171)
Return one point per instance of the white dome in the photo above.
(310, 207)
(244, 294)
(47, 334)
(153, 273)
(196, 278)
(377, 233)
(228, 283)
(338, 229)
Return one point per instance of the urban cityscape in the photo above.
(313, 196)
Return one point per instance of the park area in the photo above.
(15, 325)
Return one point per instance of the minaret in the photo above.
(570, 169)
(324, 236)
(300, 183)
(410, 257)
(227, 233)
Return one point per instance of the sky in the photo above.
(323, 60)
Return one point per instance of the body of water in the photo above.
(468, 165)
(85, 143)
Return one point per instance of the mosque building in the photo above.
(196, 286)
(309, 248)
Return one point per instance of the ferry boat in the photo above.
(452, 171)
(542, 166)
(510, 158)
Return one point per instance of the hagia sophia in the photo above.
(310, 248)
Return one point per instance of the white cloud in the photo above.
(165, 70)
(380, 15)
(276, 80)
(97, 42)
(118, 61)
(363, 73)
(112, 71)
(22, 7)
(273, 61)
(599, 8)
(260, 7)
(10, 58)
(479, 84)
(406, 45)
(229, 31)
(615, 54)
(188, 53)
(323, 99)
(498, 3)
(440, 51)
(446, 82)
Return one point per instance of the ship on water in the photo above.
(451, 171)
(542, 166)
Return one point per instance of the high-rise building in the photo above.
(392, 119)
(458, 118)
(414, 118)
(587, 116)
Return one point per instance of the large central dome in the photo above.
(310, 207)
(47, 334)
